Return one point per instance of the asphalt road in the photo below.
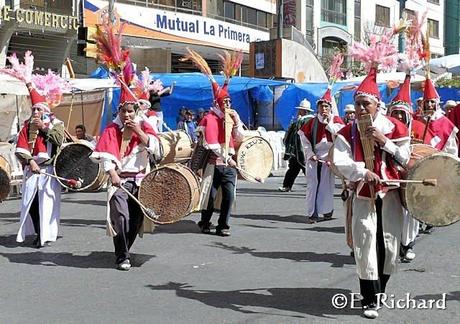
(274, 268)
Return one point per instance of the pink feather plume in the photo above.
(51, 86)
(21, 71)
(335, 72)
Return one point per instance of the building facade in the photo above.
(329, 24)
(158, 30)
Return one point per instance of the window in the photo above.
(433, 28)
(334, 11)
(251, 16)
(261, 19)
(229, 10)
(434, 1)
(238, 16)
(382, 16)
(357, 20)
(309, 18)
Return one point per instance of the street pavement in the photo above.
(274, 268)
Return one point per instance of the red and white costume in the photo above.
(443, 130)
(47, 189)
(317, 137)
(134, 165)
(349, 159)
(454, 116)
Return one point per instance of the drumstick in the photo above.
(149, 211)
(425, 182)
(73, 183)
(257, 178)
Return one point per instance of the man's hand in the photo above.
(371, 177)
(314, 158)
(234, 115)
(114, 178)
(231, 163)
(135, 127)
(34, 168)
(377, 135)
(38, 123)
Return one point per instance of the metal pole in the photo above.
(401, 40)
(280, 18)
(111, 6)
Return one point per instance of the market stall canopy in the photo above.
(451, 63)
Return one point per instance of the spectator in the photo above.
(80, 133)
(350, 113)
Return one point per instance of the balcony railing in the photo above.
(334, 17)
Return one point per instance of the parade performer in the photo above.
(350, 114)
(454, 116)
(400, 108)
(38, 144)
(443, 130)
(317, 136)
(124, 149)
(220, 129)
(365, 152)
(124, 146)
(293, 147)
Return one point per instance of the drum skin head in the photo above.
(255, 155)
(73, 162)
(435, 205)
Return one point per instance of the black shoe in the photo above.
(328, 216)
(205, 228)
(223, 232)
(37, 242)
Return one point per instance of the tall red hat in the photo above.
(38, 100)
(402, 99)
(369, 86)
(430, 93)
(220, 93)
(127, 95)
(327, 97)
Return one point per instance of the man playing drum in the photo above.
(124, 149)
(219, 129)
(38, 144)
(377, 210)
(317, 136)
(401, 109)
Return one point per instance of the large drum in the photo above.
(418, 152)
(5, 178)
(172, 191)
(255, 156)
(435, 205)
(73, 162)
(176, 145)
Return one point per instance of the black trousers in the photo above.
(225, 178)
(127, 218)
(370, 288)
(292, 172)
(34, 213)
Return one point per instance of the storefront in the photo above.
(49, 35)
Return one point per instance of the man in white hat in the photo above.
(350, 113)
(448, 106)
(293, 147)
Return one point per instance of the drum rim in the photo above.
(83, 188)
(410, 173)
(175, 167)
(237, 151)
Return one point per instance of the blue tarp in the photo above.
(343, 92)
(193, 91)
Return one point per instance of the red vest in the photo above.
(384, 164)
